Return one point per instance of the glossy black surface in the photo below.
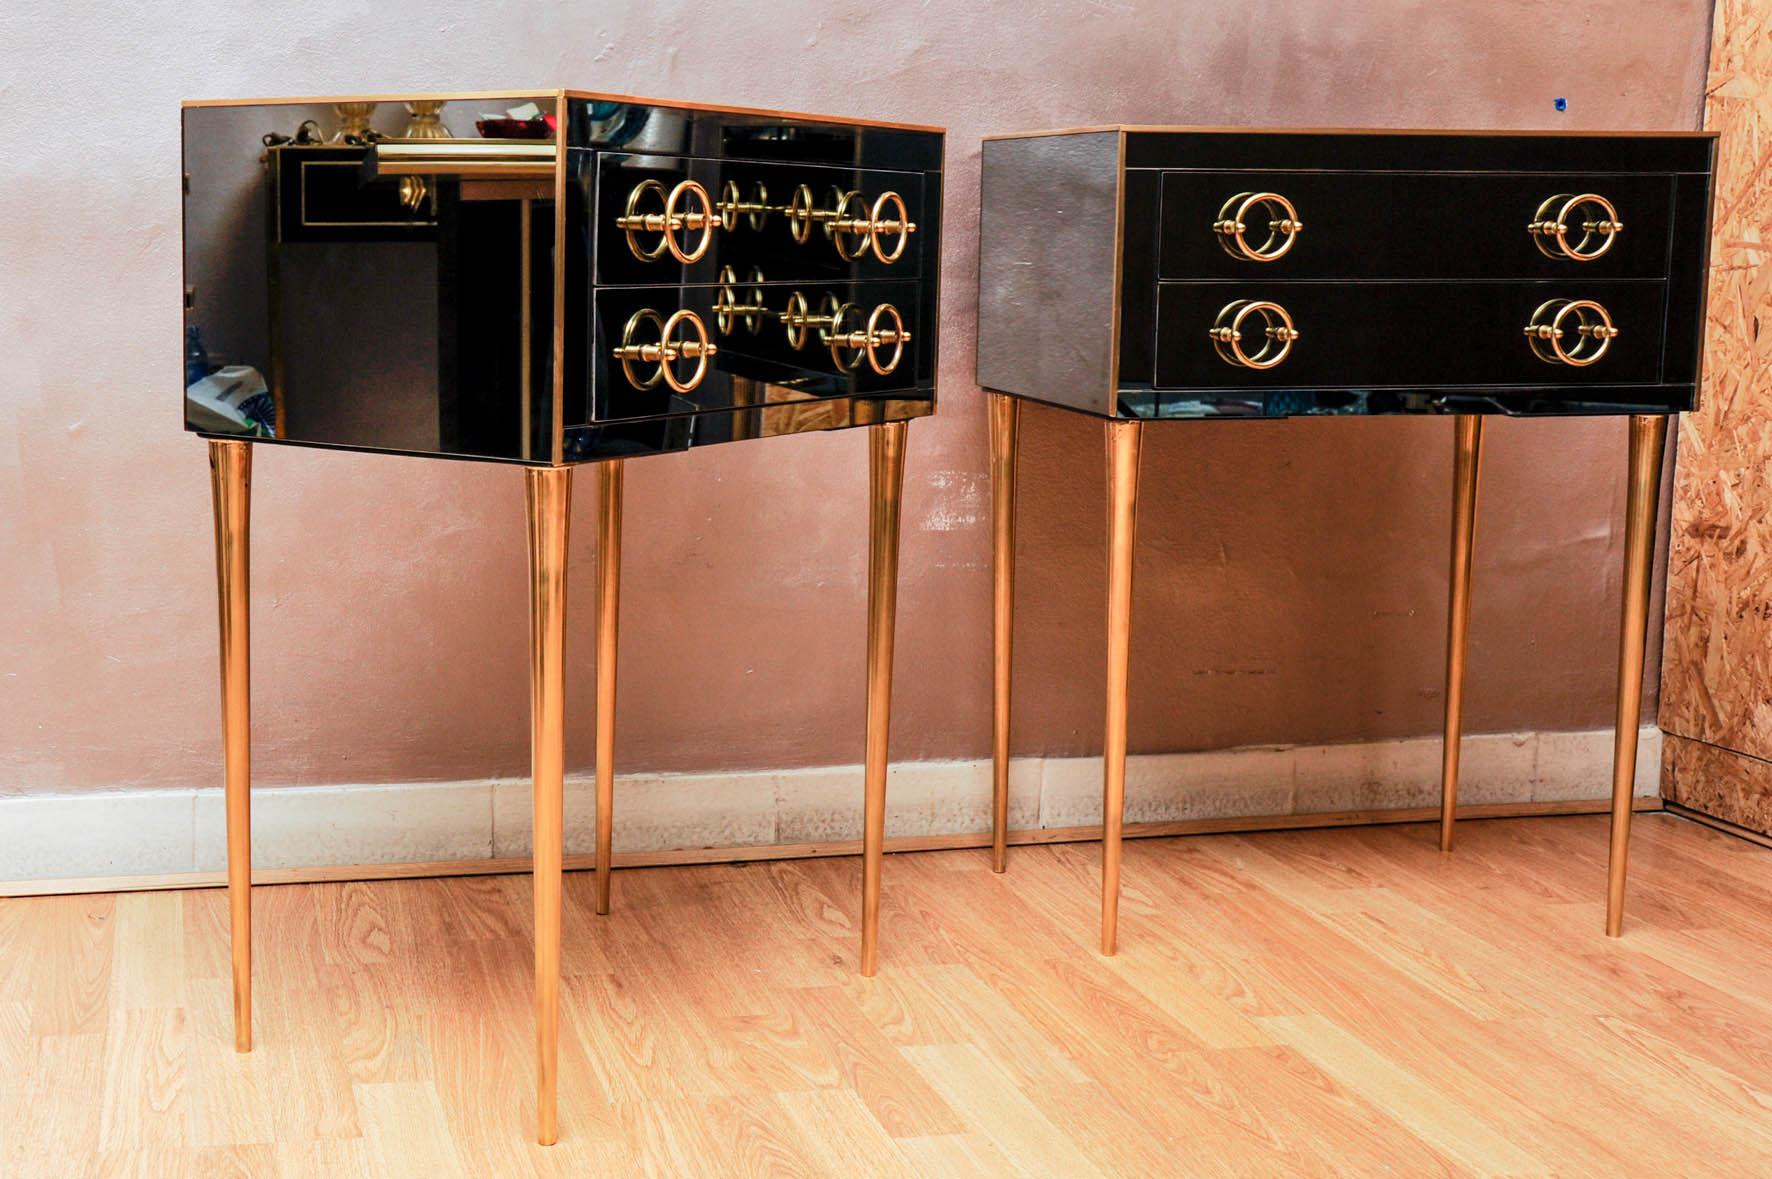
(1414, 276)
(1387, 225)
(425, 322)
(784, 137)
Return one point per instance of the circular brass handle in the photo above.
(630, 351)
(879, 225)
(1558, 215)
(896, 335)
(728, 310)
(1227, 333)
(851, 235)
(855, 233)
(869, 339)
(698, 349)
(801, 211)
(798, 320)
(667, 223)
(667, 351)
(1250, 209)
(841, 341)
(1594, 331)
(733, 205)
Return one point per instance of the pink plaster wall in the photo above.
(1291, 575)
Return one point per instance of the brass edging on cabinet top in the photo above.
(1486, 132)
(631, 99)
(328, 99)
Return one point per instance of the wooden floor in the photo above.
(1341, 1002)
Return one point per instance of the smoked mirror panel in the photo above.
(345, 285)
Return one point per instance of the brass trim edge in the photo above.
(560, 95)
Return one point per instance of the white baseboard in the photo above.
(145, 832)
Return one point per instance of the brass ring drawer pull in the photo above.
(732, 206)
(729, 310)
(799, 320)
(667, 351)
(853, 227)
(848, 345)
(869, 339)
(668, 222)
(1593, 214)
(1251, 209)
(1231, 328)
(1594, 331)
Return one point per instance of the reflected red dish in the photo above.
(541, 128)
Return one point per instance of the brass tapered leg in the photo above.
(886, 487)
(609, 481)
(1005, 422)
(548, 498)
(1123, 440)
(1648, 435)
(1467, 466)
(230, 486)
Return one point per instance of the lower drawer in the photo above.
(1376, 335)
(734, 341)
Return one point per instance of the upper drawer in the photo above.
(794, 222)
(1404, 225)
(322, 195)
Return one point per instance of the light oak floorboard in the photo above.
(1343, 1002)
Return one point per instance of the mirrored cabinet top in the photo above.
(552, 276)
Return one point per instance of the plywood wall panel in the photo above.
(1717, 662)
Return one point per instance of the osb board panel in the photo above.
(1719, 782)
(1717, 662)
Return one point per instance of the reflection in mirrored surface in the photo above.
(405, 306)
(384, 275)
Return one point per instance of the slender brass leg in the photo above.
(609, 481)
(548, 496)
(1005, 421)
(1123, 440)
(1467, 466)
(230, 486)
(886, 485)
(1648, 434)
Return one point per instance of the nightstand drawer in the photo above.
(790, 222)
(1278, 225)
(1423, 334)
(323, 194)
(728, 343)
